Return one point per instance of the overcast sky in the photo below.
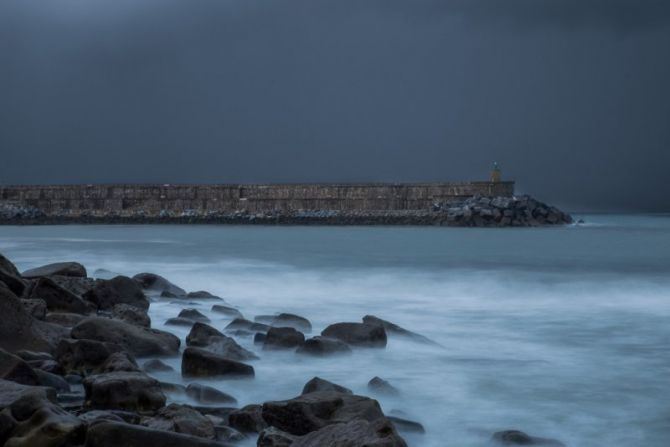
(571, 97)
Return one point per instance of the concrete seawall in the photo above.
(155, 201)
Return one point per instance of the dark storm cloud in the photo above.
(571, 97)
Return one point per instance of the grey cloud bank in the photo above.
(572, 98)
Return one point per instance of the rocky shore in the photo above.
(478, 211)
(69, 374)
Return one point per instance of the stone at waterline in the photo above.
(318, 384)
(114, 434)
(208, 395)
(118, 290)
(156, 365)
(516, 437)
(156, 283)
(394, 329)
(73, 269)
(355, 433)
(272, 437)
(130, 391)
(283, 338)
(193, 314)
(407, 426)
(52, 380)
(83, 356)
(241, 323)
(49, 425)
(181, 419)
(131, 314)
(248, 419)
(227, 310)
(205, 336)
(120, 361)
(202, 295)
(357, 334)
(321, 346)
(16, 369)
(197, 362)
(381, 386)
(178, 321)
(57, 298)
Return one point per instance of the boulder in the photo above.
(322, 346)
(130, 391)
(11, 276)
(119, 361)
(283, 338)
(208, 395)
(7, 425)
(357, 334)
(57, 298)
(156, 365)
(181, 419)
(313, 411)
(201, 335)
(394, 329)
(225, 433)
(246, 325)
(202, 295)
(52, 380)
(78, 286)
(355, 433)
(131, 314)
(272, 437)
(318, 384)
(248, 419)
(49, 425)
(407, 426)
(198, 362)
(30, 356)
(8, 266)
(156, 283)
(65, 319)
(95, 416)
(15, 369)
(227, 310)
(291, 320)
(516, 437)
(207, 337)
(83, 356)
(118, 290)
(115, 434)
(259, 338)
(193, 314)
(74, 269)
(36, 307)
(15, 396)
(381, 386)
(178, 321)
(138, 340)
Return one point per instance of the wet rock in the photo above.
(7, 425)
(57, 298)
(114, 434)
(178, 321)
(168, 294)
(64, 319)
(139, 341)
(59, 268)
(248, 419)
(8, 266)
(394, 329)
(297, 322)
(181, 419)
(193, 314)
(272, 437)
(36, 307)
(202, 295)
(322, 346)
(355, 433)
(201, 335)
(407, 426)
(22, 400)
(119, 290)
(381, 386)
(156, 283)
(313, 411)
(156, 365)
(119, 361)
(95, 416)
(173, 388)
(283, 338)
(357, 334)
(49, 425)
(208, 395)
(131, 391)
(83, 356)
(318, 384)
(516, 437)
(10, 276)
(76, 285)
(52, 380)
(131, 314)
(17, 370)
(246, 325)
(227, 310)
(29, 356)
(198, 362)
(259, 338)
(227, 434)
(50, 366)
(205, 336)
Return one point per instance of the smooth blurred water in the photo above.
(560, 332)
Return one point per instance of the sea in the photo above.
(561, 332)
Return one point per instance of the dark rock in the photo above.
(202, 295)
(59, 268)
(29, 356)
(131, 391)
(182, 419)
(394, 329)
(312, 411)
(8, 266)
(516, 437)
(36, 307)
(49, 425)
(119, 361)
(291, 320)
(227, 310)
(381, 386)
(83, 356)
(114, 434)
(178, 321)
(321, 346)
(118, 290)
(137, 340)
(208, 395)
(16, 369)
(7, 425)
(168, 294)
(156, 365)
(73, 378)
(259, 338)
(318, 384)
(227, 434)
(173, 388)
(51, 366)
(151, 281)
(78, 286)
(241, 323)
(52, 380)
(193, 314)
(10, 276)
(205, 336)
(357, 334)
(283, 338)
(57, 298)
(271, 437)
(65, 319)
(131, 314)
(198, 362)
(248, 419)
(201, 335)
(265, 319)
(355, 433)
(407, 426)
(23, 399)
(95, 416)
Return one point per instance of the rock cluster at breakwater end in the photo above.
(69, 374)
(476, 211)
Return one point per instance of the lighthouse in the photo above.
(495, 173)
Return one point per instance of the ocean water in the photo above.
(559, 332)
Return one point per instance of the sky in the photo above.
(570, 97)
